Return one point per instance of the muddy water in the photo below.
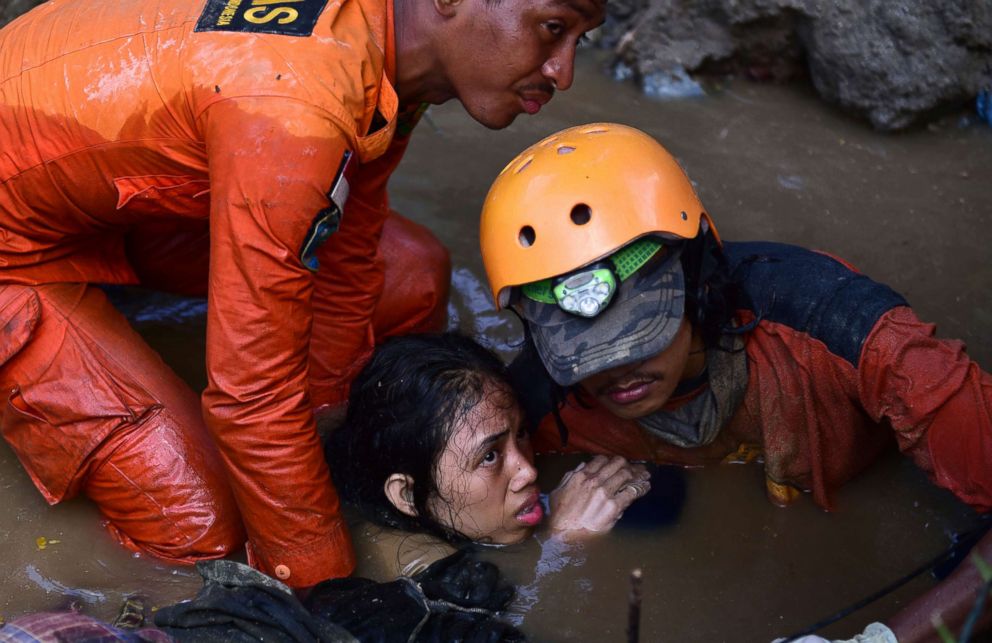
(770, 162)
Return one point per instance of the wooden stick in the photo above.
(634, 607)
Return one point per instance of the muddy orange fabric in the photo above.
(133, 438)
(90, 407)
(815, 417)
(116, 116)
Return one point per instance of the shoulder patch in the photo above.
(327, 220)
(281, 17)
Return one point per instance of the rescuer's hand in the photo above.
(592, 497)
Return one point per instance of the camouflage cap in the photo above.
(640, 322)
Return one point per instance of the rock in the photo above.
(755, 37)
(899, 62)
(895, 62)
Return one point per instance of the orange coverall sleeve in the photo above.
(271, 163)
(340, 351)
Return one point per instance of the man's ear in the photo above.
(446, 8)
(399, 491)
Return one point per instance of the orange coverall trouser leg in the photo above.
(91, 408)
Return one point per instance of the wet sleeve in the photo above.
(937, 400)
(349, 283)
(272, 163)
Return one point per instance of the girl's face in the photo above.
(486, 479)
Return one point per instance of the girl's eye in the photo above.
(490, 457)
(522, 434)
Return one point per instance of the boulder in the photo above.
(895, 62)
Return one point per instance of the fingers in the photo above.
(617, 472)
(602, 467)
(630, 492)
(591, 498)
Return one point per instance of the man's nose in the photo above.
(560, 67)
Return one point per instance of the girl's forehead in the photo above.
(497, 411)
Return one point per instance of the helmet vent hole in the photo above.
(527, 236)
(523, 166)
(581, 214)
(566, 149)
(594, 130)
(685, 217)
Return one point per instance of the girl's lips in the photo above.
(628, 394)
(532, 513)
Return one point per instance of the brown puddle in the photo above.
(770, 162)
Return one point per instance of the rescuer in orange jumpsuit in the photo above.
(239, 148)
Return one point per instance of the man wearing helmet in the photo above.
(660, 342)
(228, 148)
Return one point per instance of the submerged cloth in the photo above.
(838, 367)
(72, 626)
(455, 599)
(129, 126)
(238, 603)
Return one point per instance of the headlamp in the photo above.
(588, 291)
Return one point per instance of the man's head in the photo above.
(596, 238)
(502, 58)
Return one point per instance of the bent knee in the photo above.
(182, 541)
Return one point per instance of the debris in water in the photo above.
(634, 607)
(132, 613)
(671, 84)
(42, 543)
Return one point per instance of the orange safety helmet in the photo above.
(577, 197)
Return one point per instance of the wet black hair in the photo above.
(402, 411)
(712, 296)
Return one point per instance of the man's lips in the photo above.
(533, 102)
(531, 512)
(629, 392)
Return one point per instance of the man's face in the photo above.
(635, 390)
(509, 57)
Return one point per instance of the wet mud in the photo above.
(770, 162)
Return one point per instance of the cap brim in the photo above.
(640, 322)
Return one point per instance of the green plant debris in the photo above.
(984, 569)
(942, 630)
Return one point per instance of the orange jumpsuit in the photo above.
(141, 140)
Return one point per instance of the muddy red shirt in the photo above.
(838, 367)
